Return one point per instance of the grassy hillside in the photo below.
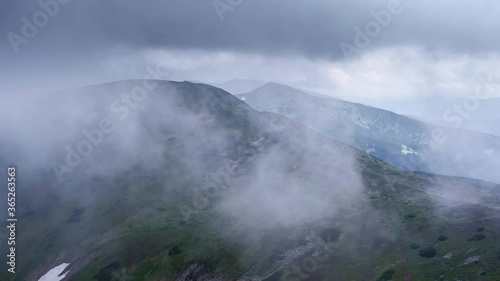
(196, 185)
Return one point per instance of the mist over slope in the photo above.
(486, 126)
(240, 86)
(401, 141)
(158, 180)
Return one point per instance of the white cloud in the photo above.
(393, 73)
(380, 76)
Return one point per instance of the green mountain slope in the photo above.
(401, 141)
(195, 185)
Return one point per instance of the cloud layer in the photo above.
(416, 47)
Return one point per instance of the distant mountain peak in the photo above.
(239, 85)
(277, 90)
(278, 86)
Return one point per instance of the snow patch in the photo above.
(370, 150)
(470, 260)
(406, 150)
(362, 124)
(54, 273)
(448, 255)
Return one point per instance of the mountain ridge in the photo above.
(382, 133)
(152, 216)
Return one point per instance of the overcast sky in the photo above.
(414, 49)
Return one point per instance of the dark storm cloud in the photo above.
(312, 28)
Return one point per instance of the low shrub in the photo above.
(387, 275)
(175, 250)
(477, 237)
(410, 216)
(428, 252)
(442, 238)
